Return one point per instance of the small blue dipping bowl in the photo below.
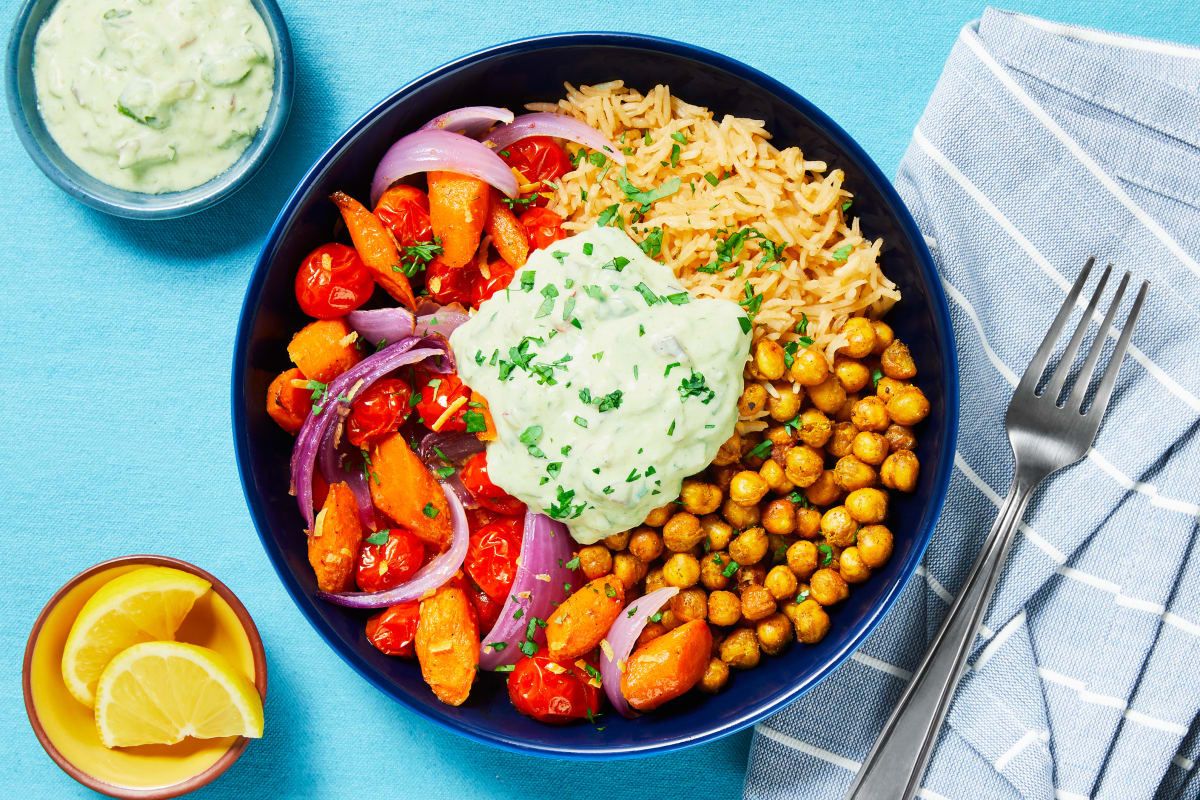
(512, 75)
(23, 107)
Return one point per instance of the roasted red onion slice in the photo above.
(430, 577)
(621, 637)
(333, 462)
(559, 126)
(540, 585)
(443, 449)
(472, 121)
(393, 324)
(423, 151)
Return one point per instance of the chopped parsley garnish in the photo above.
(846, 205)
(694, 386)
(429, 510)
(549, 292)
(876, 376)
(730, 568)
(379, 537)
(802, 325)
(559, 255)
(842, 253)
(618, 263)
(609, 591)
(680, 137)
(553, 468)
(444, 472)
(587, 248)
(752, 301)
(476, 422)
(802, 596)
(649, 296)
(573, 563)
(581, 422)
(656, 616)
(798, 498)
(826, 553)
(744, 323)
(644, 198)
(594, 292)
(675, 162)
(713, 180)
(413, 258)
(678, 299)
(670, 367)
(527, 280)
(652, 244)
(610, 401)
(607, 215)
(762, 448)
(530, 438)
(671, 429)
(597, 159)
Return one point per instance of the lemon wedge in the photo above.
(145, 604)
(160, 692)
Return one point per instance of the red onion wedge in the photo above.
(336, 467)
(559, 126)
(442, 449)
(423, 151)
(472, 121)
(540, 585)
(429, 577)
(393, 324)
(620, 640)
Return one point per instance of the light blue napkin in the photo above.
(1044, 144)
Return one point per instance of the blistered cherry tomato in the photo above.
(492, 555)
(392, 630)
(437, 392)
(487, 608)
(501, 276)
(404, 210)
(332, 282)
(538, 158)
(383, 566)
(551, 692)
(378, 411)
(476, 517)
(474, 476)
(543, 226)
(448, 285)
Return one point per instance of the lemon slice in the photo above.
(160, 692)
(139, 606)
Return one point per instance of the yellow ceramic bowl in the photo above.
(67, 729)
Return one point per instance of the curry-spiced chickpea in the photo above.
(712, 571)
(740, 649)
(781, 582)
(824, 491)
(738, 515)
(690, 604)
(802, 558)
(655, 579)
(768, 359)
(809, 367)
(886, 387)
(617, 541)
(629, 569)
(724, 608)
(698, 497)
(803, 465)
(652, 631)
(838, 526)
(900, 437)
(851, 473)
(595, 561)
(867, 506)
(808, 522)
(841, 442)
(852, 375)
(682, 570)
(870, 414)
(747, 488)
(715, 676)
(828, 395)
(900, 470)
(875, 545)
(750, 546)
(646, 544)
(772, 472)
(811, 622)
(668, 619)
(860, 337)
(659, 516)
(779, 516)
(869, 447)
(784, 403)
(748, 574)
(897, 362)
(716, 531)
(843, 413)
(753, 400)
(774, 633)
(682, 532)
(851, 566)
(757, 602)
(828, 587)
(815, 428)
(908, 406)
(730, 451)
(884, 336)
(780, 436)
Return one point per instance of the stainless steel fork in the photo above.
(1045, 436)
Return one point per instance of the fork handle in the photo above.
(894, 767)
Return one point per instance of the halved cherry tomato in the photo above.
(492, 555)
(333, 281)
(543, 226)
(538, 158)
(384, 566)
(484, 288)
(404, 210)
(378, 411)
(438, 392)
(474, 476)
(447, 285)
(551, 692)
(392, 630)
(476, 517)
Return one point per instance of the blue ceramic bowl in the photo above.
(512, 75)
(22, 106)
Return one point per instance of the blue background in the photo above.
(116, 341)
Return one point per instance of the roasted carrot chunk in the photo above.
(375, 247)
(324, 349)
(403, 488)
(458, 210)
(447, 644)
(667, 666)
(288, 404)
(334, 540)
(582, 620)
(508, 235)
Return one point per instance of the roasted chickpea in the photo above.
(815, 428)
(690, 604)
(802, 465)
(682, 570)
(900, 471)
(655, 580)
(808, 522)
(721, 476)
(730, 452)
(659, 516)
(825, 491)
(838, 526)
(851, 474)
(748, 574)
(908, 406)
(843, 413)
(897, 362)
(652, 631)
(768, 359)
(779, 516)
(868, 506)
(888, 387)
(851, 566)
(869, 447)
(883, 335)
(875, 545)
(757, 602)
(747, 488)
(715, 676)
(809, 367)
(740, 516)
(860, 337)
(740, 649)
(841, 443)
(698, 497)
(712, 571)
(811, 622)
(827, 587)
(781, 582)
(900, 437)
(753, 400)
(852, 375)
(724, 608)
(716, 531)
(870, 414)
(772, 472)
(629, 569)
(668, 619)
(749, 547)
(646, 544)
(774, 633)
(802, 558)
(784, 405)
(618, 541)
(682, 532)
(595, 561)
(828, 396)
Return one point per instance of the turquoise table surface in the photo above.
(116, 340)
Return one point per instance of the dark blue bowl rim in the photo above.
(944, 332)
(248, 164)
